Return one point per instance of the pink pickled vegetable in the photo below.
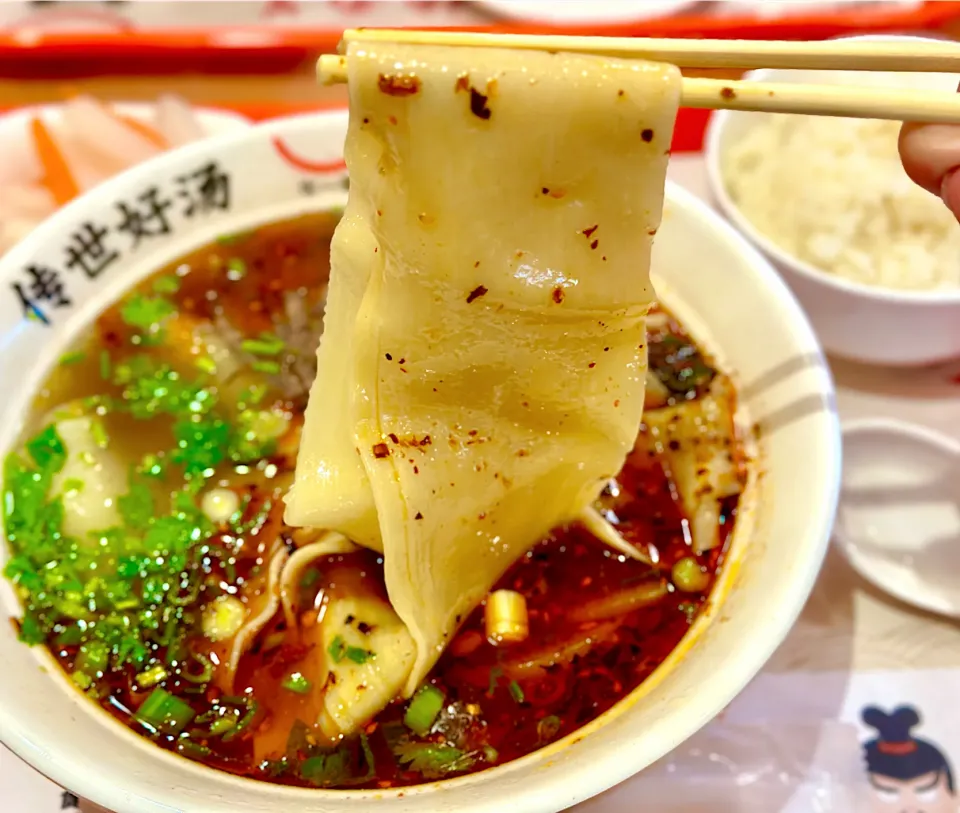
(177, 121)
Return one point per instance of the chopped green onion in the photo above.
(105, 365)
(193, 749)
(72, 358)
(490, 754)
(205, 676)
(252, 708)
(165, 713)
(230, 239)
(368, 757)
(236, 269)
(82, 680)
(267, 345)
(515, 691)
(99, 432)
(206, 365)
(222, 725)
(152, 676)
(93, 657)
(689, 576)
(423, 709)
(146, 312)
(495, 675)
(297, 683)
(268, 367)
(548, 728)
(358, 654)
(166, 285)
(337, 649)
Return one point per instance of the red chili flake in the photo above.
(647, 135)
(462, 83)
(394, 85)
(589, 231)
(620, 92)
(478, 105)
(393, 437)
(651, 232)
(558, 294)
(728, 93)
(418, 516)
(416, 469)
(392, 119)
(476, 264)
(522, 453)
(366, 120)
(616, 403)
(476, 293)
(388, 357)
(592, 364)
(594, 244)
(381, 450)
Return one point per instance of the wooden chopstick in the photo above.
(819, 100)
(850, 55)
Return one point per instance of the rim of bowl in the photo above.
(586, 781)
(712, 153)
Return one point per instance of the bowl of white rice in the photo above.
(873, 258)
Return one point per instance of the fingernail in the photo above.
(949, 191)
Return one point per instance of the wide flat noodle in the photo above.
(500, 221)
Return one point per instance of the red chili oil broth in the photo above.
(510, 712)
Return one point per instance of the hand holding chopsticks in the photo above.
(825, 100)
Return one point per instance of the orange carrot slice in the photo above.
(142, 128)
(57, 176)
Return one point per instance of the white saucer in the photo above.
(898, 521)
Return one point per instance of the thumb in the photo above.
(931, 157)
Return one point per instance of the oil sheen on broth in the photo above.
(144, 517)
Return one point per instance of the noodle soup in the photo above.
(145, 521)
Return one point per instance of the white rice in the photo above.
(832, 192)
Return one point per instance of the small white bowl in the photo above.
(867, 323)
(723, 290)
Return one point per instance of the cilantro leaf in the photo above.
(433, 760)
(202, 443)
(136, 507)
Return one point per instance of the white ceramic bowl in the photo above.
(867, 323)
(723, 289)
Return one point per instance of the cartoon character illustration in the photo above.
(906, 774)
